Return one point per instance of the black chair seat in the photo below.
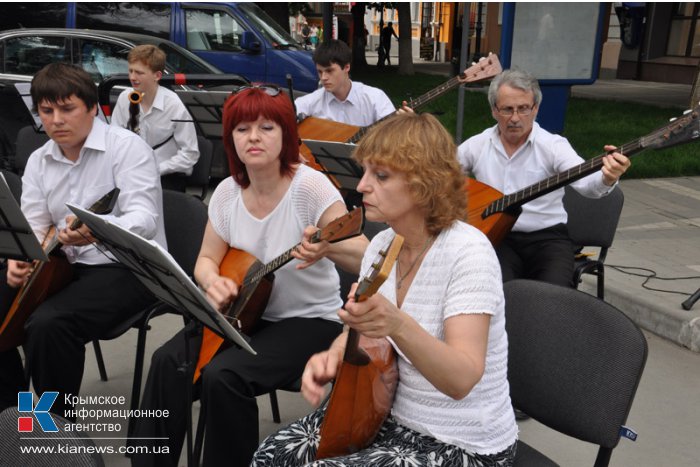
(526, 456)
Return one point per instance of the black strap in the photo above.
(163, 142)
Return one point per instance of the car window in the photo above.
(102, 59)
(212, 30)
(16, 15)
(179, 63)
(29, 54)
(143, 18)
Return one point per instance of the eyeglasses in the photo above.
(269, 89)
(522, 110)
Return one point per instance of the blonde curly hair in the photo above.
(419, 147)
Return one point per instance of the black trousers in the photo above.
(97, 299)
(545, 255)
(12, 378)
(227, 388)
(174, 181)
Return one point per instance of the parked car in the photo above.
(23, 52)
(235, 37)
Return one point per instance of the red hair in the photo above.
(247, 106)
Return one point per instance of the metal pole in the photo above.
(477, 45)
(463, 54)
(327, 9)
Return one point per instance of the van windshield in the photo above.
(273, 32)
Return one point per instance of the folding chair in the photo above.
(574, 365)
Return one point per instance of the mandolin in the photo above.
(495, 214)
(328, 130)
(364, 388)
(254, 281)
(46, 278)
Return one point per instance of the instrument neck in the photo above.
(278, 262)
(559, 180)
(415, 104)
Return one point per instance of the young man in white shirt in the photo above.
(162, 119)
(84, 160)
(340, 99)
(516, 153)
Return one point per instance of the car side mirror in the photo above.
(249, 42)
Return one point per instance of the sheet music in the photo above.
(146, 258)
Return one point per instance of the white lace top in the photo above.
(312, 292)
(459, 275)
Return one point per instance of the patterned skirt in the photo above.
(395, 445)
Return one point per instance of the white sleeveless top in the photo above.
(460, 274)
(313, 292)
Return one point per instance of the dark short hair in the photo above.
(59, 81)
(333, 51)
(247, 106)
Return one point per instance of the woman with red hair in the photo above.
(270, 203)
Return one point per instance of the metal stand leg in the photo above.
(688, 304)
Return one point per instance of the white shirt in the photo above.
(313, 292)
(543, 155)
(181, 151)
(111, 157)
(460, 274)
(363, 106)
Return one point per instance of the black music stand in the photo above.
(17, 240)
(336, 162)
(161, 274)
(688, 304)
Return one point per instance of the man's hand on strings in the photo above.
(75, 237)
(17, 272)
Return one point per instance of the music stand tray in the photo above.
(336, 160)
(158, 271)
(17, 240)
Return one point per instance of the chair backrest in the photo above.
(28, 141)
(185, 219)
(80, 449)
(593, 221)
(201, 172)
(574, 362)
(14, 181)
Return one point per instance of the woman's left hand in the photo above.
(308, 253)
(375, 317)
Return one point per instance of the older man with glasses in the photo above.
(516, 153)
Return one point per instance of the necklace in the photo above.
(399, 283)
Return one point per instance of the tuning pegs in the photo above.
(687, 111)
